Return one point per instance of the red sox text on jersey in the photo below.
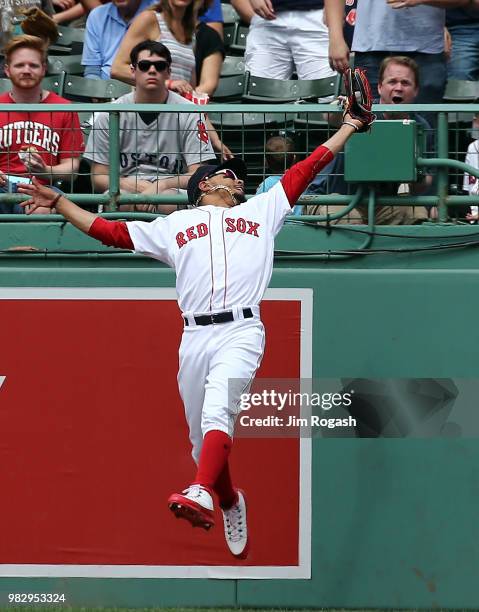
(243, 226)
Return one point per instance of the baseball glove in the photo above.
(38, 23)
(358, 99)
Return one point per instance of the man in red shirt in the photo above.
(44, 144)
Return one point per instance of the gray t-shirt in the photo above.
(381, 28)
(160, 145)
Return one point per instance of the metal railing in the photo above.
(250, 125)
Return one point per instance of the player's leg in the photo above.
(195, 503)
(232, 368)
(267, 51)
(309, 39)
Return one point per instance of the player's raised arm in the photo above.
(111, 233)
(357, 117)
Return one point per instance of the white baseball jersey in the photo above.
(471, 183)
(164, 147)
(223, 257)
(472, 158)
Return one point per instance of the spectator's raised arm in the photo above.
(144, 27)
(338, 49)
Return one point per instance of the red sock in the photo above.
(214, 456)
(224, 488)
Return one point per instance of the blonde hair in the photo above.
(25, 41)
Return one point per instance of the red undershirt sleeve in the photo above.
(298, 177)
(111, 233)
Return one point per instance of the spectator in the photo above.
(67, 10)
(151, 149)
(213, 16)
(470, 183)
(398, 84)
(349, 21)
(463, 26)
(45, 144)
(174, 25)
(209, 55)
(394, 27)
(106, 26)
(244, 10)
(279, 156)
(195, 66)
(287, 36)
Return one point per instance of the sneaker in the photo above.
(236, 528)
(195, 504)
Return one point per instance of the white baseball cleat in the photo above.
(195, 505)
(236, 528)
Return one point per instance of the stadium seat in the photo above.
(67, 64)
(260, 89)
(229, 14)
(232, 65)
(70, 41)
(230, 89)
(238, 45)
(80, 89)
(462, 91)
(229, 31)
(5, 85)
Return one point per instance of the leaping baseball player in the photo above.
(222, 251)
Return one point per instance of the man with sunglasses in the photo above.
(154, 146)
(222, 250)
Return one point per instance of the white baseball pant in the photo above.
(294, 40)
(217, 364)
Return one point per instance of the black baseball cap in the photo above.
(235, 163)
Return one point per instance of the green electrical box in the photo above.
(387, 153)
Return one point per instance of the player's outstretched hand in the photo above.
(40, 195)
(358, 100)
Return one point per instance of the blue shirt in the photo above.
(214, 13)
(270, 181)
(105, 28)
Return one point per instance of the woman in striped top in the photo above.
(173, 23)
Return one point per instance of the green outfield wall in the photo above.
(394, 520)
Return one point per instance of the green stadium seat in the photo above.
(260, 89)
(461, 91)
(230, 89)
(70, 41)
(67, 64)
(232, 65)
(229, 31)
(80, 89)
(239, 43)
(229, 14)
(52, 83)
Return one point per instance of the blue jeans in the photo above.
(464, 61)
(16, 209)
(10, 209)
(432, 72)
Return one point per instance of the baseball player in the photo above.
(222, 251)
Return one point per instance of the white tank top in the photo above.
(182, 56)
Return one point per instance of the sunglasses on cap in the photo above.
(145, 65)
(226, 172)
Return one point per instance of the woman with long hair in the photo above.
(171, 22)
